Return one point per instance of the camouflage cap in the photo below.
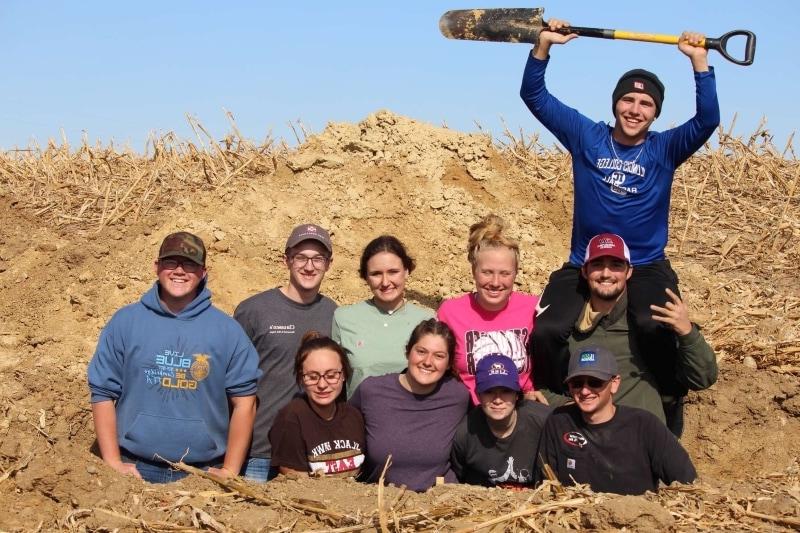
(183, 244)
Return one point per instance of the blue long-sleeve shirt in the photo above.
(618, 188)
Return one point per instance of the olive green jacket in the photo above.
(696, 367)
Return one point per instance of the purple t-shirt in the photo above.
(417, 430)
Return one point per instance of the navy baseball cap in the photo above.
(496, 370)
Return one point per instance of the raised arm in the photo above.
(686, 139)
(566, 123)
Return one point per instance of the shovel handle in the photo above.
(719, 44)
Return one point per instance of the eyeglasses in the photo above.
(187, 264)
(300, 260)
(331, 377)
(585, 381)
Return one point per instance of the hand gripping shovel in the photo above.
(522, 25)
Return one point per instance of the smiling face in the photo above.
(307, 262)
(606, 277)
(177, 287)
(635, 112)
(498, 403)
(318, 363)
(494, 271)
(428, 361)
(593, 397)
(386, 278)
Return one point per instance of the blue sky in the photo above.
(121, 70)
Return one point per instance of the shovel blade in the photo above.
(508, 25)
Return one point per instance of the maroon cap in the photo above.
(306, 232)
(607, 245)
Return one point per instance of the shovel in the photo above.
(522, 25)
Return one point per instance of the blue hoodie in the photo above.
(171, 376)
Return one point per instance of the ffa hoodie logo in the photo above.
(200, 367)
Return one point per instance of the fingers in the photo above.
(536, 396)
(693, 38)
(672, 296)
(129, 469)
(556, 24)
(220, 472)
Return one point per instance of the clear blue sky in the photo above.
(119, 70)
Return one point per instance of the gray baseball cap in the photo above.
(312, 232)
(593, 361)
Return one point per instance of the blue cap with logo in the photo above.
(593, 361)
(496, 370)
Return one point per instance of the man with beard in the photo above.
(604, 322)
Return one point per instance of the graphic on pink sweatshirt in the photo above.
(479, 332)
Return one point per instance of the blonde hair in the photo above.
(488, 233)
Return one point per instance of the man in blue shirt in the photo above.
(173, 377)
(622, 182)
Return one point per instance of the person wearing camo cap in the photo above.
(173, 377)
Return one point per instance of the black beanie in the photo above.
(639, 81)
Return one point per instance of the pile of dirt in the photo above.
(63, 276)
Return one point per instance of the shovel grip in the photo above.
(720, 44)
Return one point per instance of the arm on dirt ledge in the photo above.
(105, 426)
(240, 430)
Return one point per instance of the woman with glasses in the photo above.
(319, 433)
(495, 318)
(374, 331)
(411, 417)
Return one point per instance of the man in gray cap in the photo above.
(276, 320)
(613, 448)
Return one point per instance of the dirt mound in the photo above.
(78, 229)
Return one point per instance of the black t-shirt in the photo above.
(629, 454)
(480, 458)
(303, 441)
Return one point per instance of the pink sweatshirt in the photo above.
(479, 332)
